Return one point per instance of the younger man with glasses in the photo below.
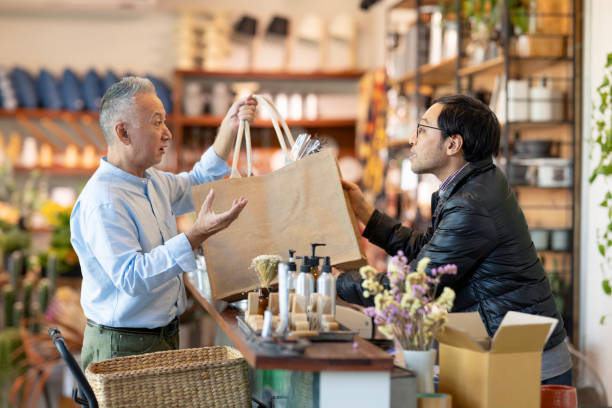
(476, 224)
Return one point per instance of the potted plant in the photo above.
(485, 18)
(410, 312)
(601, 145)
(58, 218)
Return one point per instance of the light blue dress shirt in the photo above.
(123, 229)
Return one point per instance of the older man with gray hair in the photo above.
(124, 229)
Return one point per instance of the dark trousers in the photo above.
(103, 342)
(563, 379)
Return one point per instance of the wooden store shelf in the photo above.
(48, 113)
(56, 170)
(518, 126)
(39, 113)
(412, 3)
(207, 120)
(431, 74)
(270, 74)
(496, 65)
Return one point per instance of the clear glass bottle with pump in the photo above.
(304, 284)
(326, 284)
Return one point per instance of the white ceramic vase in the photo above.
(421, 362)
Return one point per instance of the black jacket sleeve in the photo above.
(464, 236)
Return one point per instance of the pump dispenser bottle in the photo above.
(293, 274)
(314, 263)
(326, 284)
(304, 284)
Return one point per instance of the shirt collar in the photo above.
(107, 168)
(450, 178)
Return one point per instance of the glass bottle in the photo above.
(262, 300)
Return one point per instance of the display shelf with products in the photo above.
(532, 90)
(525, 69)
(422, 63)
(321, 103)
(210, 120)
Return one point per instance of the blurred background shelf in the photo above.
(208, 120)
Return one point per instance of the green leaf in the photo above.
(601, 321)
(604, 203)
(609, 63)
(600, 125)
(602, 250)
(606, 286)
(606, 170)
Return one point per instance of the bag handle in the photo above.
(244, 129)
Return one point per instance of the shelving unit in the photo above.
(341, 129)
(545, 208)
(417, 88)
(549, 208)
(209, 120)
(58, 129)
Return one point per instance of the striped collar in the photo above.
(450, 178)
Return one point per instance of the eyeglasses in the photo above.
(420, 125)
(419, 133)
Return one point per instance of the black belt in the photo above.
(169, 328)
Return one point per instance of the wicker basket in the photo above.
(201, 377)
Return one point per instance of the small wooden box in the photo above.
(554, 17)
(539, 46)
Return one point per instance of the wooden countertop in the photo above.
(319, 356)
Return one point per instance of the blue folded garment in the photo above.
(92, 91)
(70, 90)
(23, 84)
(7, 93)
(109, 79)
(48, 90)
(163, 92)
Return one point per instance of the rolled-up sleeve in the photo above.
(210, 167)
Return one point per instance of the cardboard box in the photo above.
(503, 372)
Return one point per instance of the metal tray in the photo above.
(344, 334)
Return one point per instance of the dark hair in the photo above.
(474, 121)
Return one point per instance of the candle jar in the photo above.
(262, 300)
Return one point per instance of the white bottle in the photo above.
(518, 104)
(284, 279)
(326, 284)
(311, 109)
(295, 106)
(546, 103)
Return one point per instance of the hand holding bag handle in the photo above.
(243, 128)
